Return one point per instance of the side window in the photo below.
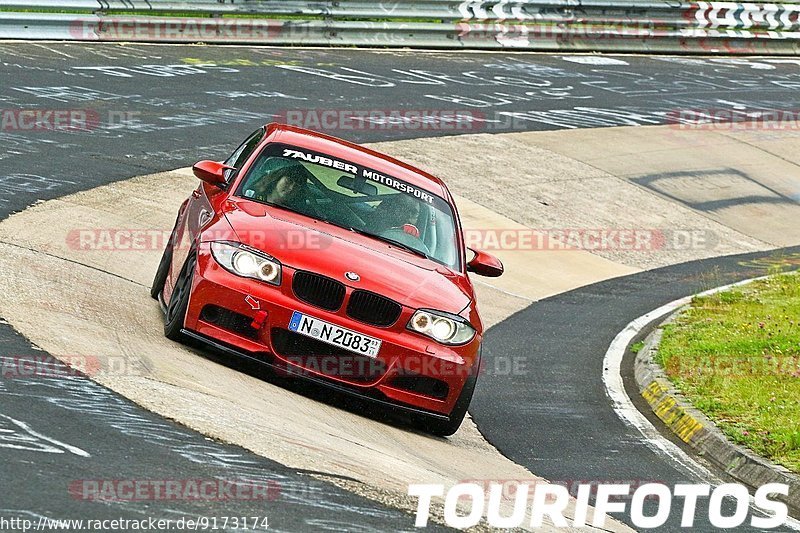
(240, 155)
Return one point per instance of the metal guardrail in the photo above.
(576, 25)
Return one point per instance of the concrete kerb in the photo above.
(699, 432)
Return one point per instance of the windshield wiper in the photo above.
(393, 242)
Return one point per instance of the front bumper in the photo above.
(410, 370)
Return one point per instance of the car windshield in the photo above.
(354, 197)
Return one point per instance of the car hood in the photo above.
(307, 244)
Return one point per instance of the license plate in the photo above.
(333, 334)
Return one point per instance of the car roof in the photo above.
(359, 155)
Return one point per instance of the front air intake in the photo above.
(318, 291)
(372, 308)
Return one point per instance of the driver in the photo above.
(285, 186)
(398, 211)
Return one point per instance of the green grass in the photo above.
(736, 356)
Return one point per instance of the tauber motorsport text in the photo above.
(366, 173)
(551, 500)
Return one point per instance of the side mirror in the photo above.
(211, 172)
(485, 264)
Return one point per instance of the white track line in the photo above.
(28, 429)
(629, 414)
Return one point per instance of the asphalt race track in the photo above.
(163, 107)
(173, 105)
(127, 442)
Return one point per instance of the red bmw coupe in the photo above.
(331, 262)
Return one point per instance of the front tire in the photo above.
(179, 301)
(161, 274)
(445, 428)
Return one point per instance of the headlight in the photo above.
(247, 262)
(442, 327)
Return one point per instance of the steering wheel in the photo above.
(401, 235)
(411, 229)
(344, 214)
